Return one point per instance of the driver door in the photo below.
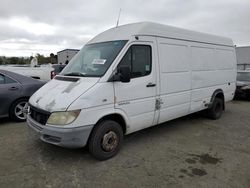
(137, 98)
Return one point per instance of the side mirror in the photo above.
(122, 75)
(124, 72)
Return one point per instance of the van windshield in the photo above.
(94, 59)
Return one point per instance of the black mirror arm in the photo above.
(115, 77)
(123, 75)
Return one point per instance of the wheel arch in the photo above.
(117, 118)
(112, 116)
(218, 93)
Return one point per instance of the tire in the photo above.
(248, 96)
(216, 110)
(18, 110)
(105, 140)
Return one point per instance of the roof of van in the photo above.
(125, 32)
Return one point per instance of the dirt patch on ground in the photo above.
(199, 172)
(204, 159)
(193, 172)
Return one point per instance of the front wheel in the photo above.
(215, 111)
(105, 140)
(18, 110)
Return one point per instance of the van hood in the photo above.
(57, 95)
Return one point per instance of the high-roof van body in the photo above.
(129, 78)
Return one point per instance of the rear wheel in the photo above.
(105, 140)
(215, 111)
(19, 109)
(248, 96)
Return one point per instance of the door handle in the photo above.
(151, 85)
(13, 88)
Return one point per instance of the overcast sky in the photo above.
(28, 27)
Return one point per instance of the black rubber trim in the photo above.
(69, 79)
(39, 110)
(213, 97)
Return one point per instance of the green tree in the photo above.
(1, 61)
(13, 60)
(42, 59)
(53, 58)
(26, 60)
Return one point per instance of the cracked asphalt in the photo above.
(188, 152)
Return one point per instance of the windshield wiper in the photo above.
(74, 74)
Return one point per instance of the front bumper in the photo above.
(66, 137)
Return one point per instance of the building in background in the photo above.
(243, 57)
(64, 56)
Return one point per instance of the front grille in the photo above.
(40, 116)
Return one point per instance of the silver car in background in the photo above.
(243, 85)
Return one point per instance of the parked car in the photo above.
(243, 85)
(129, 78)
(15, 91)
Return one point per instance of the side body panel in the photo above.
(189, 74)
(175, 82)
(213, 67)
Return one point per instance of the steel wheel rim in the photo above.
(21, 110)
(110, 141)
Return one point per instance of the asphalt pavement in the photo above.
(188, 152)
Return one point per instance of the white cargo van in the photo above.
(129, 78)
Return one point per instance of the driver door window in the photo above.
(139, 59)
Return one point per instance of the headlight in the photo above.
(63, 118)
